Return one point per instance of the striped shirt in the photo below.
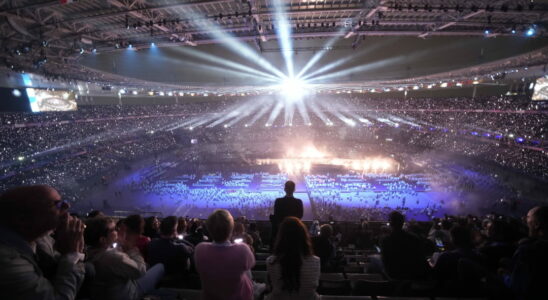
(310, 276)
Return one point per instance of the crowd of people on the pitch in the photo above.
(58, 255)
(73, 147)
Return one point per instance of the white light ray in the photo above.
(321, 53)
(356, 69)
(400, 120)
(246, 111)
(230, 115)
(289, 112)
(329, 66)
(318, 112)
(283, 30)
(261, 113)
(303, 112)
(344, 60)
(234, 45)
(274, 114)
(220, 70)
(222, 61)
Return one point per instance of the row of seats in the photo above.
(195, 295)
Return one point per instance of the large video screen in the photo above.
(49, 100)
(540, 92)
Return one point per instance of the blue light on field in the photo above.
(26, 80)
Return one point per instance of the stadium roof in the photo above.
(60, 38)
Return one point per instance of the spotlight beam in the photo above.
(249, 108)
(232, 114)
(220, 70)
(275, 112)
(234, 45)
(283, 30)
(329, 66)
(222, 61)
(301, 107)
(362, 68)
(370, 66)
(342, 61)
(318, 112)
(321, 53)
(261, 113)
(289, 112)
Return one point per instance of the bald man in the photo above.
(530, 273)
(287, 206)
(28, 214)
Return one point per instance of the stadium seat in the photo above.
(260, 265)
(259, 276)
(370, 277)
(354, 268)
(335, 297)
(332, 276)
(373, 288)
(403, 298)
(334, 287)
(262, 255)
(189, 294)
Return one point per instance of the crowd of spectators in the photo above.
(73, 150)
(58, 255)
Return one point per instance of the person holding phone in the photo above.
(121, 271)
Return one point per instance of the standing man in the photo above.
(287, 206)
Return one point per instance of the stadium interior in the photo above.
(437, 109)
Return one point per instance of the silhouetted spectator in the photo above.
(169, 250)
(240, 235)
(120, 272)
(255, 235)
(402, 252)
(135, 224)
(285, 207)
(498, 245)
(446, 267)
(530, 276)
(152, 228)
(324, 248)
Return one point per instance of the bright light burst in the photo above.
(300, 161)
(293, 89)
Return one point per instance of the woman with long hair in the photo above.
(293, 270)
